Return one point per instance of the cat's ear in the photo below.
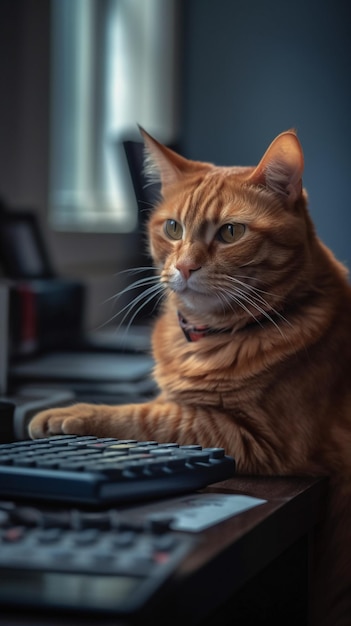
(280, 169)
(161, 163)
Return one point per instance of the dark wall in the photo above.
(252, 69)
(24, 99)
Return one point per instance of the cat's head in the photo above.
(229, 240)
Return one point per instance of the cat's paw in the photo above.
(70, 420)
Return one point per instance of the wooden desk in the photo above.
(251, 569)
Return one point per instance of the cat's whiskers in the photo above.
(252, 302)
(244, 282)
(155, 289)
(136, 270)
(138, 283)
(232, 291)
(140, 301)
(255, 293)
(246, 298)
(251, 262)
(223, 300)
(229, 299)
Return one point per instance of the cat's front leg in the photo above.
(159, 419)
(149, 420)
(77, 419)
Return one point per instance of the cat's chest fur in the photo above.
(216, 369)
(255, 376)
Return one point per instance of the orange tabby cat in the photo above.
(253, 346)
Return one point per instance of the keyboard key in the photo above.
(215, 453)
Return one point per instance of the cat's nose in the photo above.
(187, 268)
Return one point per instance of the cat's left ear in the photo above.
(280, 169)
(161, 163)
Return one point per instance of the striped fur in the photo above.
(275, 391)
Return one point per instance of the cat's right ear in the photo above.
(162, 164)
(280, 169)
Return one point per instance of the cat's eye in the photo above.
(173, 229)
(229, 233)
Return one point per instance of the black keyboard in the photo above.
(100, 561)
(99, 471)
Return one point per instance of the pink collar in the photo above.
(194, 333)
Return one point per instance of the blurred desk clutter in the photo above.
(48, 358)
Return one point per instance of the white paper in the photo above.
(194, 513)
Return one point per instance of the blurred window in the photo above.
(113, 66)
